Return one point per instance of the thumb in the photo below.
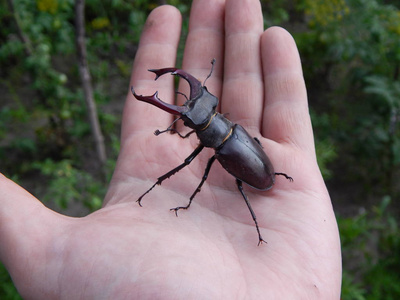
(26, 229)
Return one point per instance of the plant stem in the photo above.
(86, 81)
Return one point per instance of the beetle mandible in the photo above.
(239, 154)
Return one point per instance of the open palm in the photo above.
(210, 251)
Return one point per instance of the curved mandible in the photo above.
(195, 85)
(154, 100)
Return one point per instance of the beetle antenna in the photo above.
(212, 69)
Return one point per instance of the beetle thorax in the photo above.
(200, 110)
(216, 132)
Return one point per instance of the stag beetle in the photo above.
(238, 153)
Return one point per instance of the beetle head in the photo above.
(196, 111)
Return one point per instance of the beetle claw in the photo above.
(176, 210)
(286, 176)
(261, 240)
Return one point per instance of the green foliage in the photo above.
(387, 90)
(275, 12)
(351, 59)
(371, 253)
(324, 13)
(67, 184)
(351, 290)
(7, 288)
(324, 145)
(325, 154)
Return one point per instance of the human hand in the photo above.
(124, 251)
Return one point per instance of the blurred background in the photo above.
(59, 134)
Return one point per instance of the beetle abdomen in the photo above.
(245, 159)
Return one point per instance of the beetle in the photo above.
(239, 154)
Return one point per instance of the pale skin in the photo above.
(210, 251)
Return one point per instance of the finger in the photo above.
(157, 49)
(204, 42)
(26, 226)
(243, 84)
(286, 117)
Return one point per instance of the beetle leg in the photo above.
(179, 93)
(209, 164)
(158, 132)
(173, 130)
(240, 187)
(187, 161)
(285, 175)
(258, 141)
